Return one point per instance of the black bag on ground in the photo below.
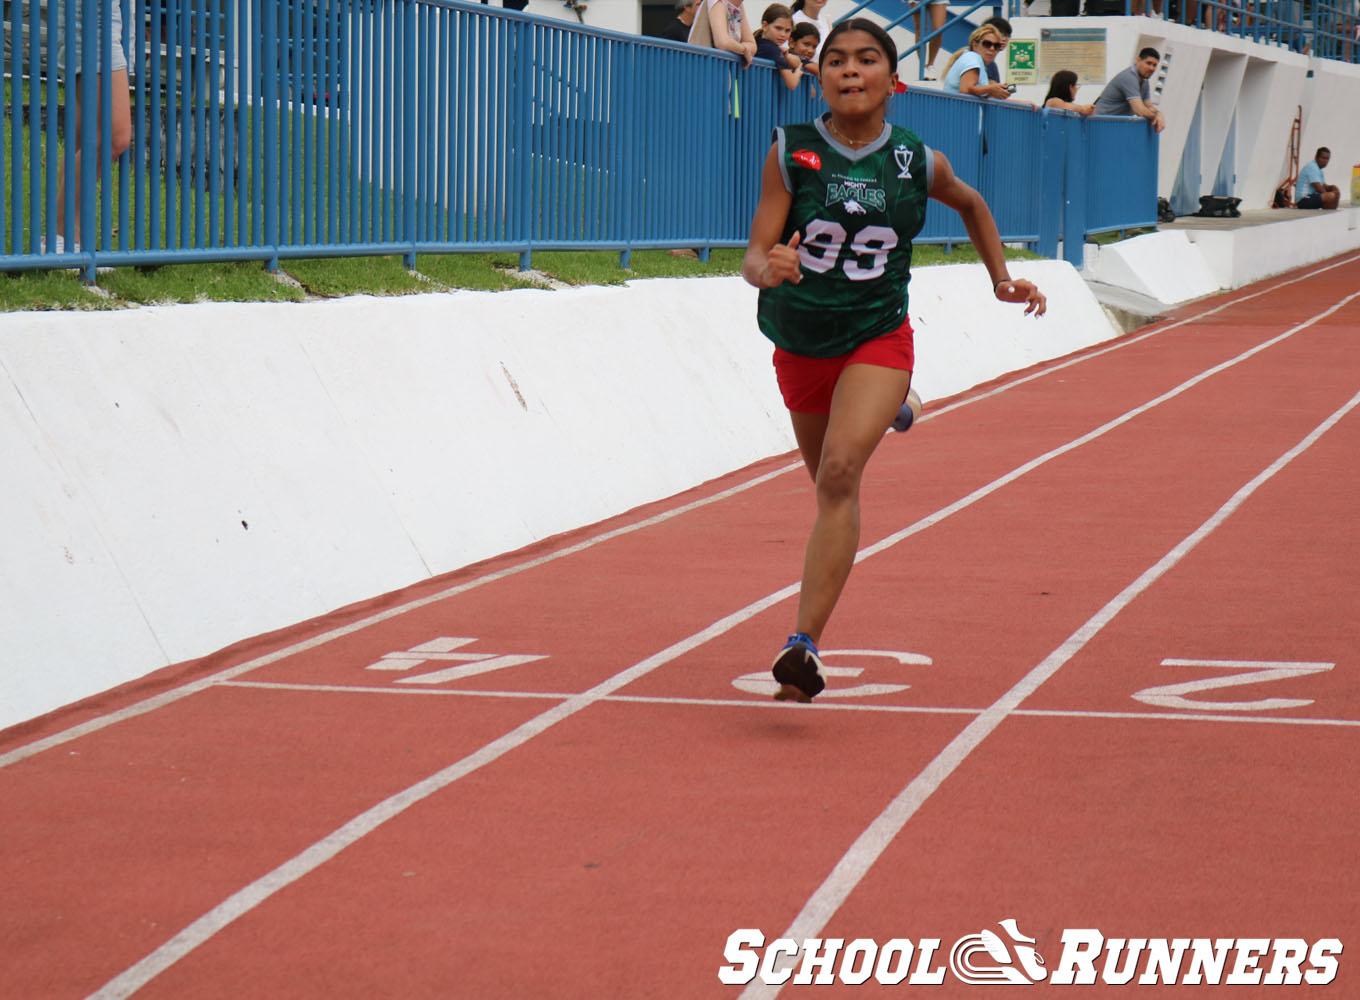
(1164, 212)
(1218, 207)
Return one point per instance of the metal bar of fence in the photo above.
(49, 223)
(9, 240)
(34, 108)
(408, 228)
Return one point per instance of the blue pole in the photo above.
(1074, 204)
(269, 67)
(408, 153)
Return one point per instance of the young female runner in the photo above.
(841, 199)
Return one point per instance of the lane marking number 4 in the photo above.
(442, 650)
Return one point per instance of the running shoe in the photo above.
(911, 409)
(798, 669)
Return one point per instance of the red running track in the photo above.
(1099, 676)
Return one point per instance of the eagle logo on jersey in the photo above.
(857, 196)
(807, 158)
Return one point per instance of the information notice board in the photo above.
(1082, 50)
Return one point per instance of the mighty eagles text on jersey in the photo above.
(858, 211)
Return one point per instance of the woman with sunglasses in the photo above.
(966, 72)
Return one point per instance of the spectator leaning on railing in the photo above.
(812, 12)
(722, 25)
(1004, 27)
(1127, 91)
(776, 25)
(966, 72)
(804, 43)
(1062, 94)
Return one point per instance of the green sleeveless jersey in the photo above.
(858, 211)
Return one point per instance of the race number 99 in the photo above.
(821, 246)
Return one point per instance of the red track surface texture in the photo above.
(1105, 627)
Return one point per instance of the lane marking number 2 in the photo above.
(1253, 672)
(763, 684)
(442, 650)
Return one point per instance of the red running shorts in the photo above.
(807, 383)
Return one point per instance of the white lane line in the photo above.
(193, 687)
(369, 689)
(1281, 720)
(313, 857)
(767, 704)
(850, 870)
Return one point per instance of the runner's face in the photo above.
(856, 76)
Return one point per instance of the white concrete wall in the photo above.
(181, 478)
(1236, 259)
(1178, 265)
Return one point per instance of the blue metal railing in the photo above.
(270, 129)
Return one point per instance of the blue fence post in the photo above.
(526, 197)
(1074, 201)
(1053, 165)
(633, 112)
(88, 89)
(269, 71)
(408, 113)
